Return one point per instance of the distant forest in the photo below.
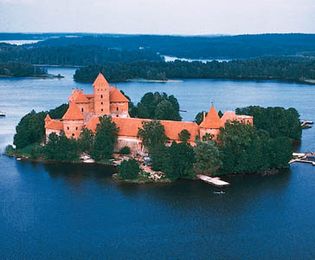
(88, 49)
(122, 57)
(297, 70)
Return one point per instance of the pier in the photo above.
(303, 158)
(212, 180)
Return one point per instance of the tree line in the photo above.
(13, 69)
(273, 68)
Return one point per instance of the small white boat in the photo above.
(2, 114)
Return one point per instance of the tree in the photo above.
(30, 129)
(200, 116)
(244, 149)
(60, 148)
(184, 136)
(166, 111)
(158, 106)
(125, 150)
(277, 121)
(105, 139)
(207, 159)
(129, 169)
(152, 134)
(58, 112)
(182, 160)
(86, 141)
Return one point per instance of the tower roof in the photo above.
(117, 96)
(100, 81)
(73, 113)
(212, 119)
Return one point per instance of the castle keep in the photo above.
(85, 109)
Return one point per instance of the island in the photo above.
(22, 70)
(149, 142)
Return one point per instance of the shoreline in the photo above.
(48, 76)
(304, 82)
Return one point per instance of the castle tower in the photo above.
(73, 121)
(211, 124)
(101, 96)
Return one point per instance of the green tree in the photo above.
(166, 111)
(30, 129)
(158, 106)
(208, 159)
(60, 148)
(277, 121)
(129, 169)
(105, 139)
(200, 116)
(58, 112)
(86, 141)
(152, 134)
(182, 160)
(125, 150)
(184, 136)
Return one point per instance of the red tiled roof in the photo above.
(78, 96)
(116, 96)
(130, 127)
(54, 124)
(212, 119)
(100, 81)
(73, 113)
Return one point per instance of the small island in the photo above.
(24, 70)
(149, 142)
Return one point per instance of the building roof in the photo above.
(130, 126)
(54, 124)
(116, 96)
(100, 81)
(211, 120)
(73, 113)
(78, 97)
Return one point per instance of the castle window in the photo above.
(82, 109)
(73, 134)
(76, 128)
(102, 109)
(101, 103)
(101, 96)
(117, 115)
(68, 128)
(116, 108)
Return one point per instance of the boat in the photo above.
(2, 114)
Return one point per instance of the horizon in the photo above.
(158, 17)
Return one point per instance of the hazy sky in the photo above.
(158, 16)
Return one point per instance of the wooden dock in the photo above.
(212, 180)
(303, 158)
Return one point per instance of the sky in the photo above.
(193, 17)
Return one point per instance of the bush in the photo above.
(125, 150)
(9, 150)
(129, 169)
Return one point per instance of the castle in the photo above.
(85, 109)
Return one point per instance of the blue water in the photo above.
(68, 211)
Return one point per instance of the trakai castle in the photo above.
(85, 109)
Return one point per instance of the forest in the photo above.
(287, 69)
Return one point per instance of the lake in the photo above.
(70, 211)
